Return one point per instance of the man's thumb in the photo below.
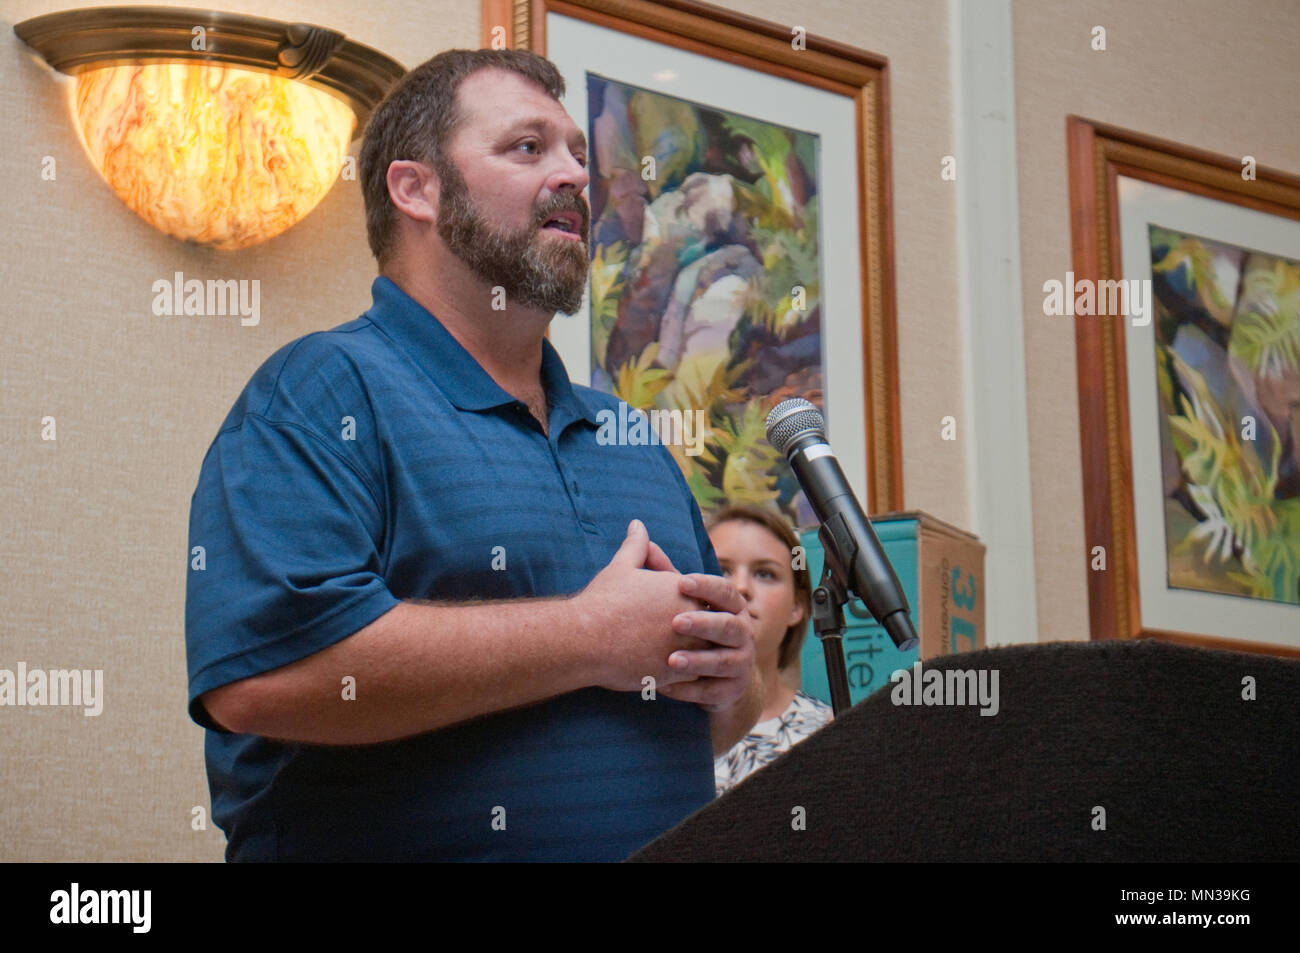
(635, 547)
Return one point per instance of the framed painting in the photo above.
(1186, 296)
(740, 235)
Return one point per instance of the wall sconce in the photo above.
(216, 128)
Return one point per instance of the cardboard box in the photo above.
(942, 572)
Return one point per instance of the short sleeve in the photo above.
(285, 544)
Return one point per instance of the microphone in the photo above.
(795, 428)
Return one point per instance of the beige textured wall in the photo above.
(1212, 75)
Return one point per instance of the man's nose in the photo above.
(570, 176)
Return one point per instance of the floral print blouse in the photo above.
(767, 740)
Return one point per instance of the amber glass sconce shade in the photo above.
(220, 129)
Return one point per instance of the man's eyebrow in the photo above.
(540, 125)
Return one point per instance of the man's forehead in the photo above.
(496, 101)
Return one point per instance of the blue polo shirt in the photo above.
(378, 462)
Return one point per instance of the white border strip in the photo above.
(996, 427)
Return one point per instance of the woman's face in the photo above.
(758, 565)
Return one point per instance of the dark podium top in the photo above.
(1157, 736)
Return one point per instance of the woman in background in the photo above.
(756, 550)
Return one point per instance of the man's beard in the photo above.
(536, 271)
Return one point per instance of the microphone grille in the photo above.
(790, 419)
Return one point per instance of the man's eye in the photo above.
(582, 160)
(530, 143)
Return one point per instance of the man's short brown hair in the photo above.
(418, 118)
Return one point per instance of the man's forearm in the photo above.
(729, 725)
(417, 668)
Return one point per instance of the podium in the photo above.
(1098, 751)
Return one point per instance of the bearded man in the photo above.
(437, 619)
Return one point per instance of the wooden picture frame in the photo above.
(870, 447)
(1106, 163)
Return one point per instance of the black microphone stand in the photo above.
(828, 601)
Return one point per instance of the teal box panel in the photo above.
(869, 653)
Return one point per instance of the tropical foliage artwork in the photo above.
(1228, 372)
(706, 280)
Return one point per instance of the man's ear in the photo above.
(413, 189)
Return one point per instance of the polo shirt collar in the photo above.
(460, 377)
